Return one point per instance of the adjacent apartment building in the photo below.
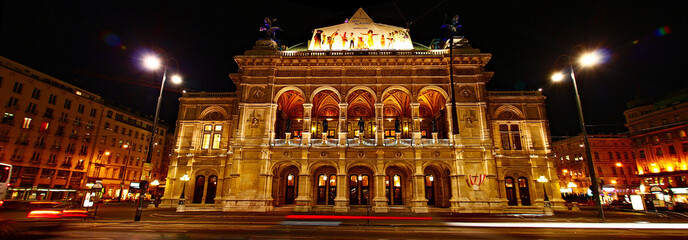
(56, 134)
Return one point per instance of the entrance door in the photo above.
(198, 189)
(510, 191)
(359, 189)
(322, 189)
(523, 191)
(212, 189)
(290, 190)
(332, 192)
(393, 190)
(430, 189)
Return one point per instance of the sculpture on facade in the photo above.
(361, 125)
(397, 125)
(324, 126)
(269, 29)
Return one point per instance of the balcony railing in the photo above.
(356, 142)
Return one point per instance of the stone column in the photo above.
(341, 202)
(450, 134)
(343, 131)
(271, 118)
(415, 115)
(306, 134)
(379, 122)
(419, 202)
(380, 199)
(303, 200)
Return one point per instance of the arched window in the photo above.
(332, 192)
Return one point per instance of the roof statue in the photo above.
(360, 33)
(269, 29)
(451, 29)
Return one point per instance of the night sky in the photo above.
(646, 42)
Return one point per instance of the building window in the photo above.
(626, 155)
(80, 108)
(642, 154)
(109, 114)
(17, 87)
(614, 171)
(511, 137)
(672, 150)
(93, 112)
(52, 99)
(684, 147)
(682, 133)
(31, 108)
(211, 136)
(611, 156)
(599, 171)
(618, 155)
(12, 102)
(597, 156)
(36, 94)
(44, 126)
(67, 104)
(659, 152)
(27, 123)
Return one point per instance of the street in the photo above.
(117, 223)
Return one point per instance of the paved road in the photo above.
(117, 223)
(257, 231)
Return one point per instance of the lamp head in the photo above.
(542, 179)
(557, 76)
(590, 59)
(176, 79)
(155, 183)
(151, 62)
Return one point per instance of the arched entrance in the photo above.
(360, 185)
(285, 182)
(396, 185)
(289, 114)
(437, 185)
(325, 185)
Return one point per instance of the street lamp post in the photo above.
(547, 207)
(154, 63)
(124, 172)
(181, 207)
(588, 59)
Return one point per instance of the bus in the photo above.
(5, 171)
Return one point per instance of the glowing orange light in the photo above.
(619, 164)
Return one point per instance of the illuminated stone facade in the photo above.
(340, 130)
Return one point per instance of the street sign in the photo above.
(134, 185)
(656, 189)
(87, 200)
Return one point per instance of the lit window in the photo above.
(208, 128)
(27, 122)
(44, 126)
(218, 127)
(511, 137)
(216, 140)
(206, 141)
